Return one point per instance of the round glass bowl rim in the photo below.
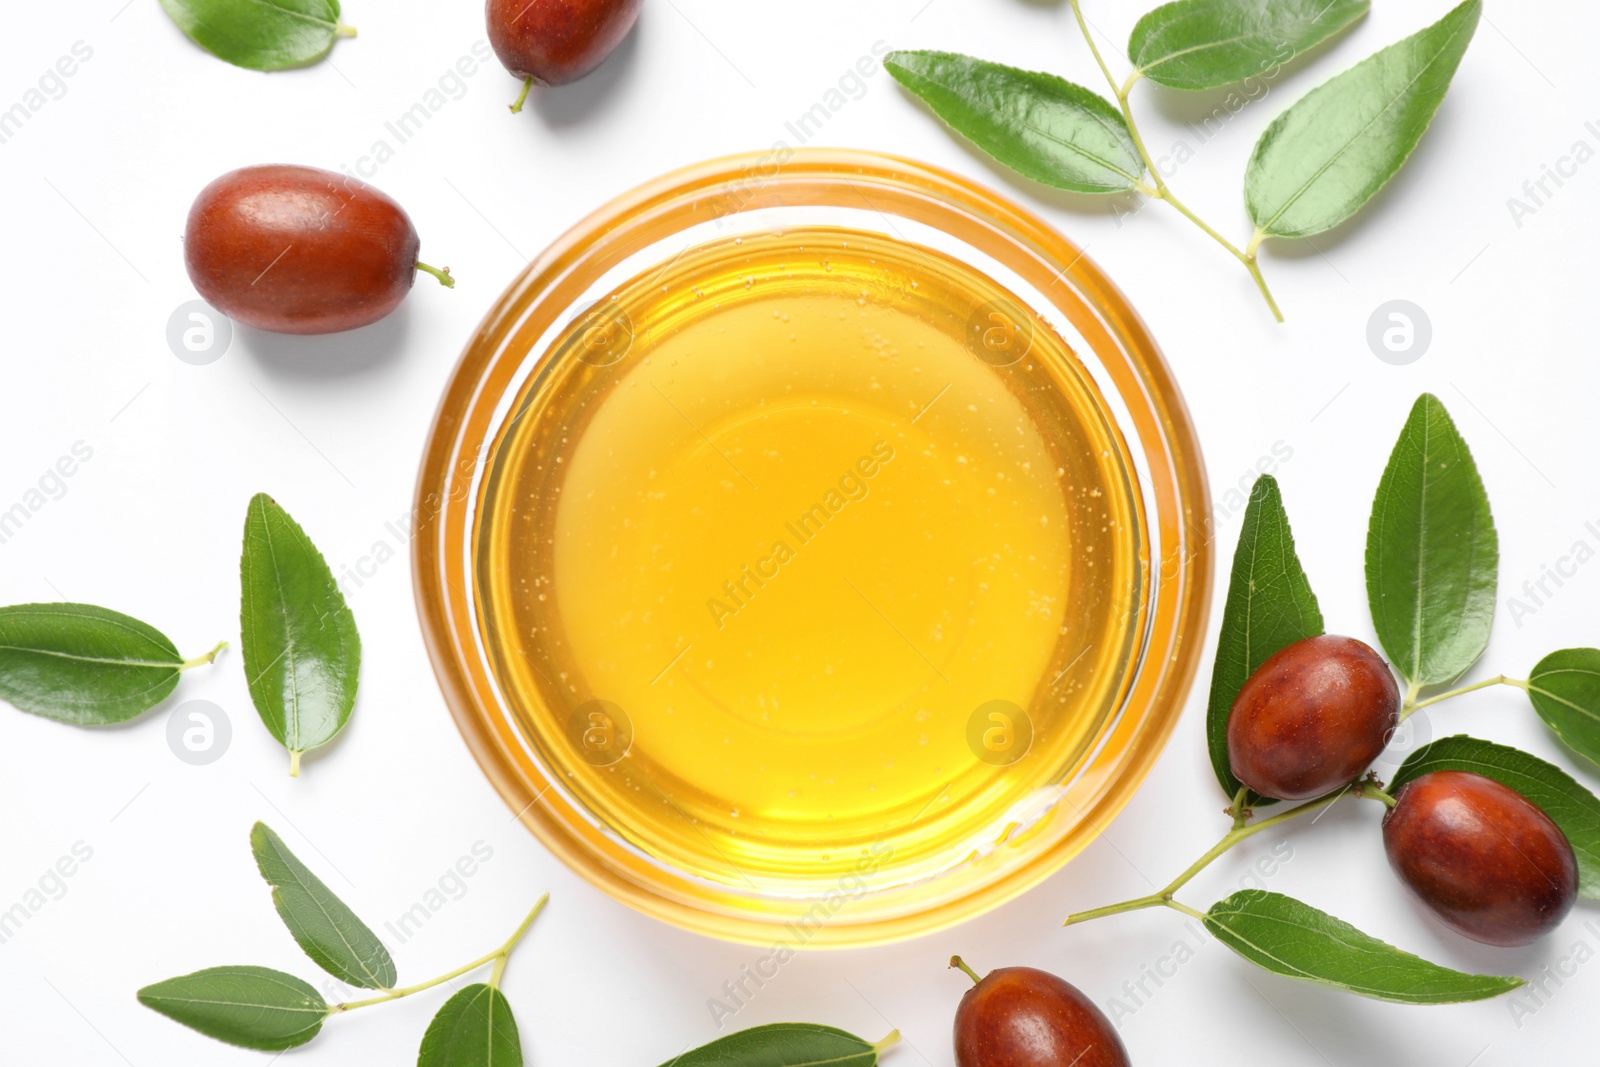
(550, 289)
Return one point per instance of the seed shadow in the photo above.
(322, 357)
(1338, 1026)
(1432, 940)
(561, 106)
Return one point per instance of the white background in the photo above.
(95, 190)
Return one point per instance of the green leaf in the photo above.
(255, 1007)
(1565, 690)
(1039, 125)
(1338, 145)
(302, 654)
(321, 923)
(82, 664)
(1205, 44)
(1270, 605)
(1286, 937)
(475, 1028)
(1549, 788)
(786, 1045)
(1432, 552)
(261, 34)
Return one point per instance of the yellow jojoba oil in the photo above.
(808, 555)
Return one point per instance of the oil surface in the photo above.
(832, 538)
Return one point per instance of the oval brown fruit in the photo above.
(553, 42)
(1312, 717)
(299, 250)
(1481, 857)
(1023, 1017)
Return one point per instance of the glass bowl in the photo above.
(952, 700)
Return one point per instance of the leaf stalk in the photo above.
(1161, 190)
(498, 957)
(201, 661)
(1164, 896)
(527, 87)
(961, 964)
(1413, 705)
(444, 276)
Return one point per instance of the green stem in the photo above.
(406, 991)
(294, 764)
(200, 661)
(443, 275)
(1376, 792)
(1094, 50)
(1176, 905)
(341, 30)
(1163, 897)
(527, 87)
(957, 961)
(1237, 809)
(889, 1040)
(497, 957)
(1162, 192)
(1413, 705)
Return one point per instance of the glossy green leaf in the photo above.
(302, 655)
(1432, 552)
(255, 1007)
(1330, 153)
(321, 923)
(786, 1045)
(261, 34)
(1565, 690)
(1549, 788)
(1205, 44)
(1270, 605)
(475, 1028)
(82, 664)
(1293, 939)
(1039, 125)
